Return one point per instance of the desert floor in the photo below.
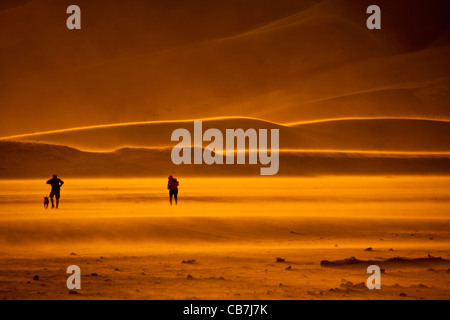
(130, 243)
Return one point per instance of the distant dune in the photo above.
(281, 61)
(391, 261)
(105, 99)
(34, 160)
(340, 134)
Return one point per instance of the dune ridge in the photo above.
(290, 124)
(363, 134)
(352, 146)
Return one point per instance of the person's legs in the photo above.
(170, 196)
(57, 196)
(175, 194)
(51, 199)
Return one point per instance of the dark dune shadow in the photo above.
(10, 4)
(391, 261)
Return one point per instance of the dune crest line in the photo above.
(289, 124)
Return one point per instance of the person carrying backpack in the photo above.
(172, 185)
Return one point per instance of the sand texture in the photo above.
(131, 244)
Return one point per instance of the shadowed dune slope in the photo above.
(34, 160)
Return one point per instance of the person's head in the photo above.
(170, 177)
(55, 176)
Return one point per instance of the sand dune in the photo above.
(29, 160)
(425, 99)
(282, 57)
(330, 147)
(391, 261)
(376, 134)
(147, 134)
(339, 134)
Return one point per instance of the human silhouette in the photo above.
(56, 184)
(172, 185)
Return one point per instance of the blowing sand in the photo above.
(131, 244)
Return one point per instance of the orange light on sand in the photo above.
(232, 227)
(364, 154)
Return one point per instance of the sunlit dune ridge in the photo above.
(114, 125)
(382, 134)
(210, 119)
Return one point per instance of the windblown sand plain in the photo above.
(130, 243)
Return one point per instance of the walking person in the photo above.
(172, 185)
(56, 184)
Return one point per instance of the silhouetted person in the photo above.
(56, 184)
(172, 185)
